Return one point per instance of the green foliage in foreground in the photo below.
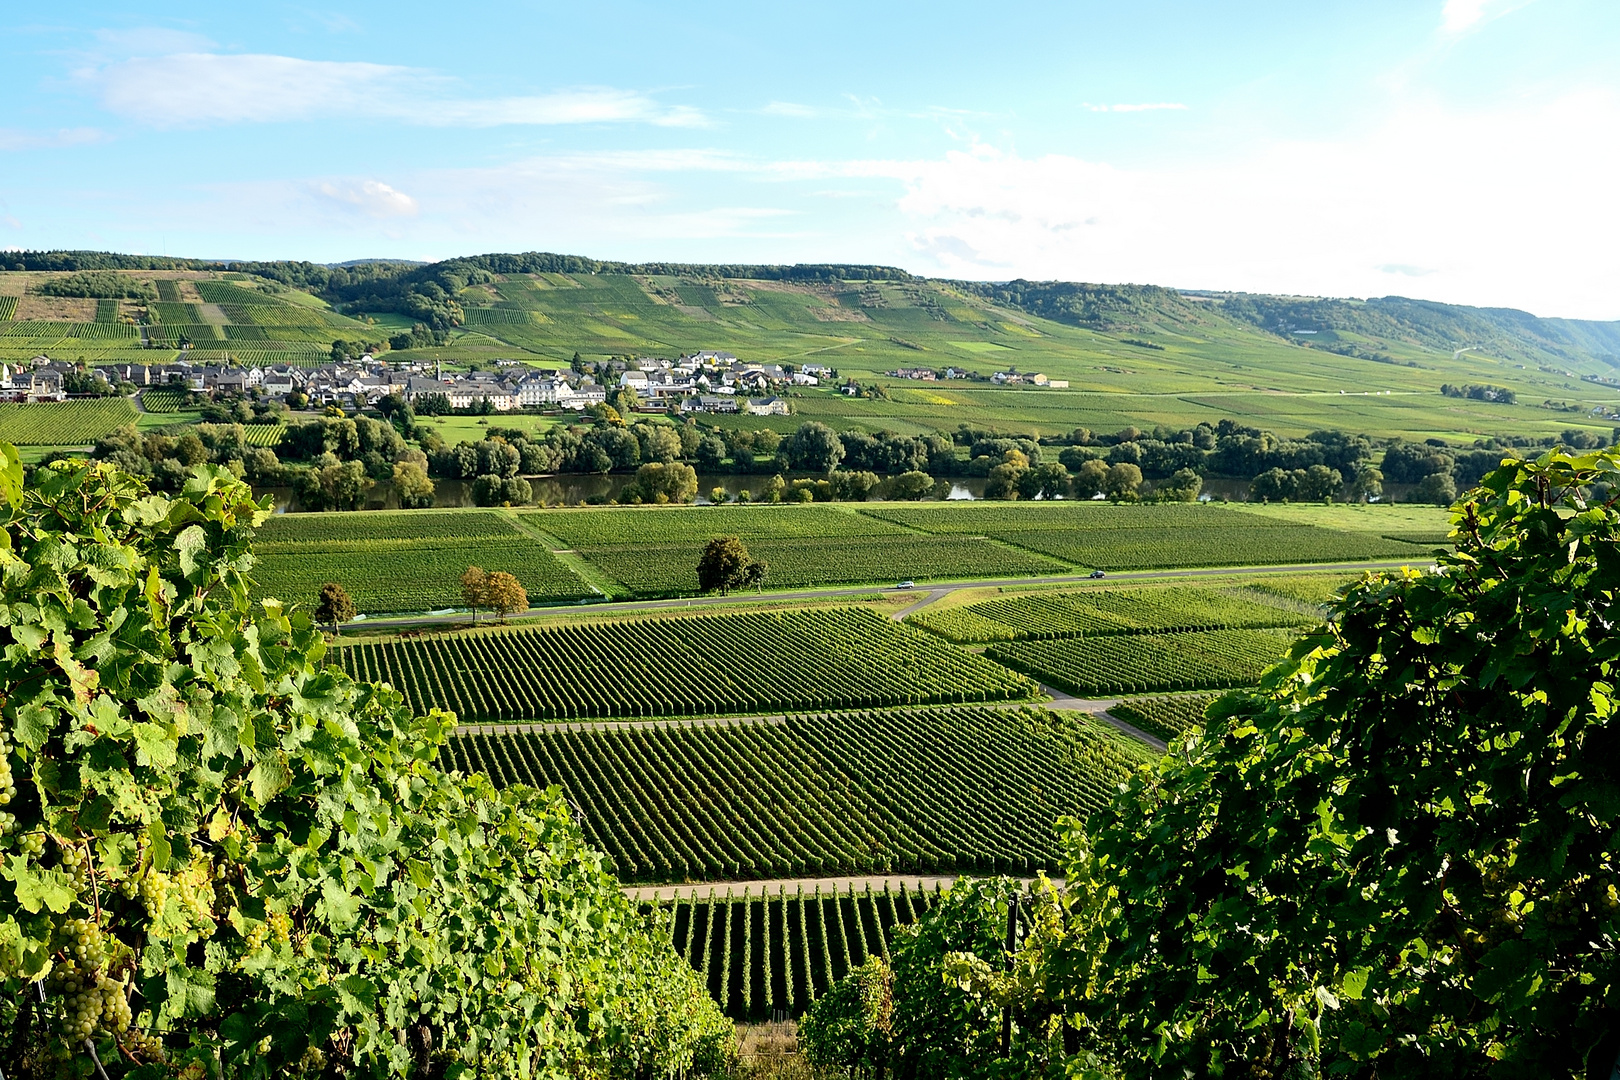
(1396, 859)
(224, 857)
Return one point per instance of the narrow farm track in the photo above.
(938, 590)
(922, 601)
(739, 889)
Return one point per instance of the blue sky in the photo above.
(1463, 150)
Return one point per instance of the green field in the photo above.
(1208, 365)
(918, 790)
(1166, 717)
(767, 956)
(654, 551)
(1145, 663)
(77, 422)
(1055, 615)
(1404, 521)
(1383, 379)
(394, 561)
(1110, 537)
(399, 561)
(162, 399)
(737, 662)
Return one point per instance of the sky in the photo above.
(1458, 150)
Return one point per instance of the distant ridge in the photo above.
(1362, 328)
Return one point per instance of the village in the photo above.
(703, 382)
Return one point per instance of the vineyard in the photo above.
(1145, 663)
(1149, 537)
(401, 561)
(697, 525)
(263, 434)
(654, 551)
(662, 570)
(77, 422)
(825, 658)
(1166, 717)
(8, 308)
(767, 957)
(1110, 611)
(974, 789)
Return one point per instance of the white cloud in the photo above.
(788, 108)
(370, 197)
(14, 139)
(197, 88)
(1459, 15)
(1473, 207)
(1147, 106)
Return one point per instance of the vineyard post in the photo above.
(1012, 942)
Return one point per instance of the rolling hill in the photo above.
(1138, 355)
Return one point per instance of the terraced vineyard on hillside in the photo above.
(973, 789)
(1145, 663)
(213, 319)
(738, 662)
(393, 561)
(766, 957)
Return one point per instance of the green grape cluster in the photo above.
(81, 940)
(142, 1047)
(154, 890)
(92, 1001)
(32, 844)
(196, 894)
(8, 789)
(76, 862)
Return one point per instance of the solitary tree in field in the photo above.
(755, 572)
(726, 565)
(504, 595)
(335, 606)
(475, 589)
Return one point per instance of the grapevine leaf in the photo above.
(34, 725)
(270, 777)
(41, 888)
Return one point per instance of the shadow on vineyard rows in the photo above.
(768, 957)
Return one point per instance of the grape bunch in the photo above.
(81, 940)
(154, 890)
(76, 862)
(92, 1001)
(8, 789)
(143, 1047)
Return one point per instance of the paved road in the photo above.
(935, 591)
(721, 889)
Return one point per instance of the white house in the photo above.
(771, 406)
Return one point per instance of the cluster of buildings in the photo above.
(922, 374)
(42, 379)
(1015, 377)
(714, 382)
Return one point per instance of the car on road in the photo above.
(1096, 574)
(906, 585)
